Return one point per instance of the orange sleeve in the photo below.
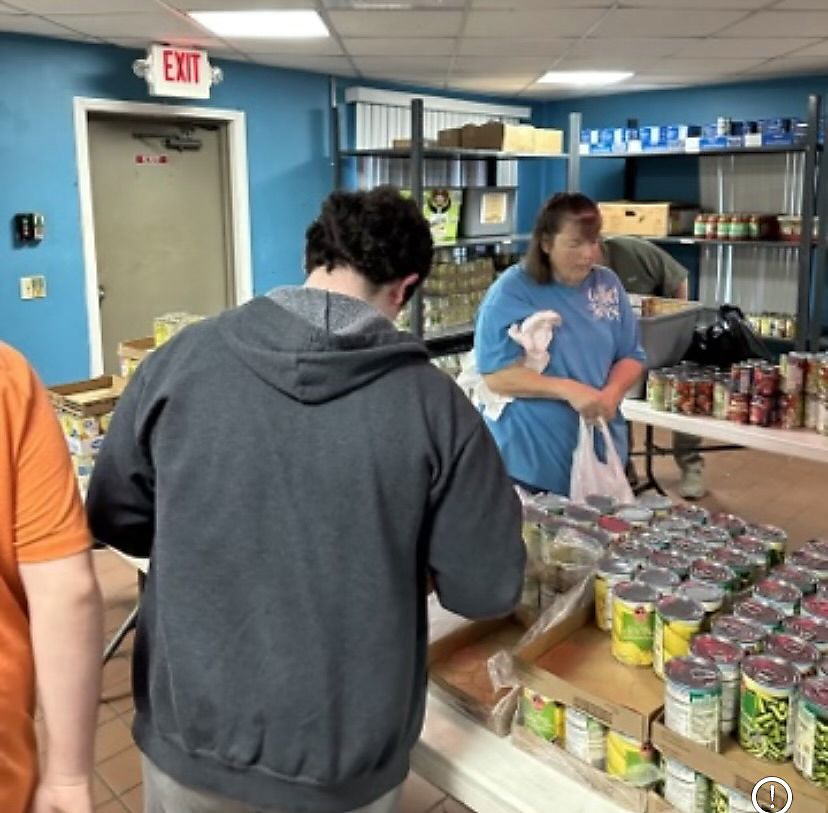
(49, 520)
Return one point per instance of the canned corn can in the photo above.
(693, 701)
(810, 629)
(811, 736)
(768, 617)
(784, 596)
(748, 634)
(767, 718)
(677, 620)
(611, 571)
(585, 738)
(728, 800)
(633, 620)
(630, 760)
(664, 582)
(801, 654)
(686, 790)
(728, 656)
(542, 716)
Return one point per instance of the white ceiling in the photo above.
(486, 46)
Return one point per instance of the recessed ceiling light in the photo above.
(583, 79)
(276, 25)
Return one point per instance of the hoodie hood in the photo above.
(315, 345)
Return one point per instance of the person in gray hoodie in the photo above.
(299, 475)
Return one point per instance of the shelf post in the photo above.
(417, 174)
(573, 171)
(806, 258)
(336, 158)
(630, 168)
(820, 254)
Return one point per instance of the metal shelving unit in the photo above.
(812, 254)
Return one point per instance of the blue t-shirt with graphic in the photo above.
(537, 436)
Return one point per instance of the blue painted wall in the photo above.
(289, 171)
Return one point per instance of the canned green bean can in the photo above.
(727, 800)
(767, 713)
(768, 617)
(748, 634)
(809, 629)
(801, 654)
(693, 701)
(811, 745)
(728, 657)
(611, 571)
(663, 581)
(685, 789)
(585, 738)
(633, 619)
(677, 620)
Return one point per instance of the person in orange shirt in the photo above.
(51, 618)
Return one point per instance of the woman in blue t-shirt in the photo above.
(595, 355)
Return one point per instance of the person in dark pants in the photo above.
(299, 474)
(645, 269)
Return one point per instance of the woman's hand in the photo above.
(59, 796)
(610, 399)
(585, 400)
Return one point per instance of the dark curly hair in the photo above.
(380, 234)
(556, 212)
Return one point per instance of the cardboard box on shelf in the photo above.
(87, 399)
(132, 352)
(547, 142)
(647, 219)
(734, 768)
(450, 137)
(495, 135)
(458, 668)
(572, 664)
(405, 143)
(658, 804)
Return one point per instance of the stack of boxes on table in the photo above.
(700, 671)
(84, 408)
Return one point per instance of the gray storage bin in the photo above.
(487, 212)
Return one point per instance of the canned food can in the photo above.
(791, 411)
(583, 516)
(721, 398)
(811, 738)
(815, 607)
(630, 760)
(693, 700)
(686, 790)
(777, 538)
(760, 411)
(801, 654)
(757, 551)
(585, 738)
(691, 549)
(696, 515)
(809, 629)
(739, 409)
(552, 505)
(768, 617)
(704, 395)
(710, 596)
(700, 226)
(684, 396)
(659, 505)
(677, 620)
(799, 577)
(728, 656)
(728, 800)
(611, 571)
(601, 503)
(673, 526)
(738, 563)
(794, 370)
(635, 515)
(665, 582)
(812, 374)
(633, 620)
(812, 562)
(656, 380)
(734, 525)
(542, 716)
(822, 416)
(768, 697)
(748, 634)
(631, 550)
(532, 540)
(812, 404)
(784, 596)
(713, 536)
(704, 570)
(766, 380)
(652, 541)
(616, 529)
(671, 560)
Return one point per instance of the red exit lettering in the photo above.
(181, 66)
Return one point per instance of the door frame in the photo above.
(239, 198)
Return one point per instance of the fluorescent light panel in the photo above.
(583, 79)
(277, 25)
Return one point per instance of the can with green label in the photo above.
(677, 620)
(693, 702)
(633, 620)
(811, 745)
(542, 716)
(630, 760)
(585, 738)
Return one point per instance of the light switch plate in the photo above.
(33, 287)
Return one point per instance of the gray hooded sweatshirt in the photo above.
(295, 467)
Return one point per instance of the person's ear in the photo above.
(401, 287)
(546, 245)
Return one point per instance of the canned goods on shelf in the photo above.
(721, 397)
(542, 716)
(808, 628)
(585, 738)
(748, 634)
(766, 616)
(693, 700)
(705, 386)
(671, 560)
(815, 607)
(706, 571)
(766, 380)
(811, 733)
(700, 226)
(794, 368)
(630, 760)
(801, 654)
(686, 790)
(633, 619)
(611, 571)
(728, 656)
(710, 596)
(677, 620)
(656, 381)
(761, 409)
(665, 582)
(728, 800)
(768, 698)
(738, 563)
(784, 596)
(804, 579)
(791, 410)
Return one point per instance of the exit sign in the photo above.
(180, 72)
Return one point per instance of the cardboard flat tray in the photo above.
(573, 664)
(137, 349)
(737, 769)
(97, 396)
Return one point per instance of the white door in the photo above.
(160, 200)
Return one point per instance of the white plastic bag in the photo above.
(590, 475)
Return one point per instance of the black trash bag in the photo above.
(728, 341)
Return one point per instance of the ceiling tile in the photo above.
(781, 24)
(733, 48)
(374, 46)
(641, 46)
(740, 5)
(557, 22)
(478, 66)
(155, 26)
(492, 84)
(246, 5)
(820, 49)
(658, 23)
(396, 23)
(522, 5)
(316, 47)
(813, 5)
(704, 67)
(399, 64)
(85, 6)
(29, 24)
(4, 9)
(339, 65)
(214, 47)
(791, 65)
(609, 63)
(480, 46)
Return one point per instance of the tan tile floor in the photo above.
(760, 487)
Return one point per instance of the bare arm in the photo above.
(683, 291)
(624, 374)
(67, 636)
